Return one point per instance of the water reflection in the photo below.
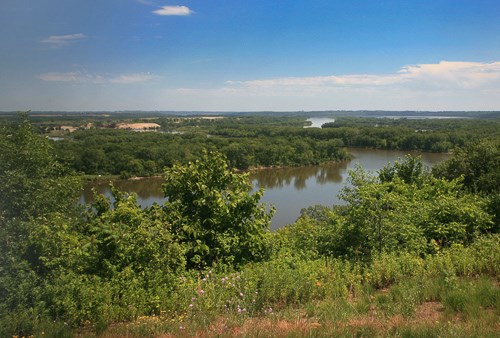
(148, 189)
(297, 176)
(317, 122)
(288, 189)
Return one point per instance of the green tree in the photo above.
(212, 211)
(378, 216)
(32, 182)
(410, 170)
(33, 187)
(404, 209)
(126, 237)
(478, 163)
(37, 201)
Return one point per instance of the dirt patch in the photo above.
(138, 126)
(68, 128)
(425, 313)
(429, 312)
(274, 328)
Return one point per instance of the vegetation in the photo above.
(247, 141)
(412, 253)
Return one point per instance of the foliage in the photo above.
(128, 239)
(390, 295)
(32, 182)
(479, 165)
(403, 238)
(405, 209)
(211, 210)
(256, 141)
(410, 171)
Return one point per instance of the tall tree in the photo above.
(32, 182)
(212, 211)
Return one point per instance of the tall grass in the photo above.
(295, 297)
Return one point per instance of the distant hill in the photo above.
(325, 113)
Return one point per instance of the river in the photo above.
(288, 189)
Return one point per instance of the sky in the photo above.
(249, 55)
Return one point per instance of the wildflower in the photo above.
(318, 283)
(191, 305)
(200, 292)
(270, 310)
(241, 294)
(204, 279)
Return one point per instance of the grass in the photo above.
(410, 308)
(455, 293)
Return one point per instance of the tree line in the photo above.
(259, 142)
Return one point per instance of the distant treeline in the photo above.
(143, 154)
(260, 141)
(303, 114)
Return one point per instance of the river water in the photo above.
(288, 189)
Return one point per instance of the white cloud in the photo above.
(442, 74)
(86, 78)
(444, 85)
(436, 86)
(453, 74)
(131, 78)
(76, 77)
(343, 80)
(173, 10)
(63, 40)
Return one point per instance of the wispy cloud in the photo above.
(131, 78)
(76, 77)
(445, 85)
(333, 80)
(86, 78)
(146, 2)
(442, 74)
(63, 40)
(173, 10)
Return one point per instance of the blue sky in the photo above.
(249, 55)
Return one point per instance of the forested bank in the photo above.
(205, 262)
(257, 141)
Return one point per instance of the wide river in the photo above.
(288, 189)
